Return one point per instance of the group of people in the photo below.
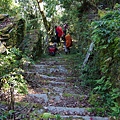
(60, 34)
(65, 36)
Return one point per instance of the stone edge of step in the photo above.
(86, 117)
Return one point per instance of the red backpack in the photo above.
(52, 50)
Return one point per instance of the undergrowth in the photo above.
(102, 71)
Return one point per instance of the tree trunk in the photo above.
(46, 23)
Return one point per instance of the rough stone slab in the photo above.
(41, 96)
(49, 70)
(45, 76)
(44, 66)
(49, 77)
(2, 48)
(66, 109)
(87, 117)
(52, 62)
(57, 83)
(38, 66)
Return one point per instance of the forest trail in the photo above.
(53, 87)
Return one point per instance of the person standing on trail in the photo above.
(68, 43)
(65, 27)
(59, 33)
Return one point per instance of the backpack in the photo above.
(52, 50)
(68, 40)
(71, 43)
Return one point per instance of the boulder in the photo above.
(2, 48)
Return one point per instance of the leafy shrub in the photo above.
(6, 114)
(106, 37)
(102, 71)
(10, 71)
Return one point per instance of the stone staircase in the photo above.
(52, 85)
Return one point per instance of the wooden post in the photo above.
(88, 54)
(12, 100)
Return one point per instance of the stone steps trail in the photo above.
(55, 89)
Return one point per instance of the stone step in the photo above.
(43, 76)
(53, 62)
(40, 76)
(43, 97)
(59, 99)
(50, 82)
(66, 110)
(54, 83)
(40, 66)
(52, 70)
(55, 71)
(73, 117)
(55, 58)
(76, 117)
(56, 88)
(68, 100)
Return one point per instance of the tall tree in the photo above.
(41, 9)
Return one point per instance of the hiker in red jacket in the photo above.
(59, 33)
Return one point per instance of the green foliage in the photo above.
(47, 116)
(50, 7)
(107, 41)
(10, 71)
(5, 114)
(30, 13)
(8, 7)
(5, 4)
(20, 31)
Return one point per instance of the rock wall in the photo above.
(28, 42)
(6, 25)
(32, 44)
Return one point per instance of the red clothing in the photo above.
(59, 31)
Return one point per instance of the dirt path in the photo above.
(53, 89)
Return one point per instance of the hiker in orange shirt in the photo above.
(68, 42)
